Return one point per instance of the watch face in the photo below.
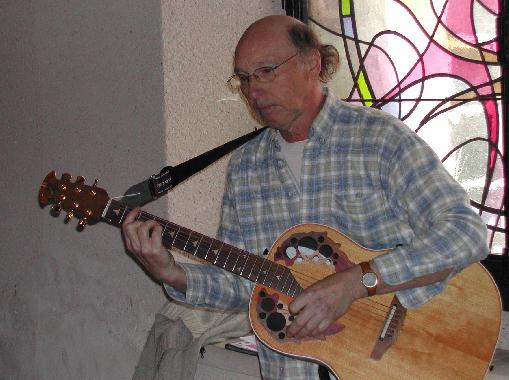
(369, 279)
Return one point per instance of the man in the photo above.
(324, 161)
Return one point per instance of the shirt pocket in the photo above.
(364, 216)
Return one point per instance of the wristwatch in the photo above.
(369, 278)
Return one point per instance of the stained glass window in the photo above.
(433, 64)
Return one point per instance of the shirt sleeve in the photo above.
(211, 286)
(448, 233)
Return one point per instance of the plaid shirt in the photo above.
(364, 173)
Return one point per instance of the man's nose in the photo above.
(254, 89)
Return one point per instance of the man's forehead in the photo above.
(262, 49)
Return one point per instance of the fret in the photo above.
(121, 220)
(226, 257)
(257, 268)
(240, 263)
(113, 213)
(263, 272)
(208, 250)
(199, 248)
(218, 253)
(289, 279)
(272, 275)
(247, 266)
(251, 260)
(185, 245)
(179, 243)
(234, 254)
(230, 261)
(273, 268)
(295, 289)
(192, 243)
(283, 277)
(175, 232)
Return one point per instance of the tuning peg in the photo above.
(68, 217)
(66, 177)
(81, 224)
(55, 209)
(80, 180)
(93, 189)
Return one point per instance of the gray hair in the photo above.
(305, 39)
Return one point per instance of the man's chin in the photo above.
(271, 119)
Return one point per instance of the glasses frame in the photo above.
(244, 80)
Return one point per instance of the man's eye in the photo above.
(243, 78)
(264, 70)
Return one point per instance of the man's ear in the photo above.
(314, 62)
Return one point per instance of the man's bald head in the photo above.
(290, 32)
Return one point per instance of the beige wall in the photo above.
(200, 111)
(90, 88)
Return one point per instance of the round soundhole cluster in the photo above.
(272, 313)
(312, 247)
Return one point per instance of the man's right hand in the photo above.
(144, 241)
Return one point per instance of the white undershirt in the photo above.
(292, 153)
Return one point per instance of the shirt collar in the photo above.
(321, 126)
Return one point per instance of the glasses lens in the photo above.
(234, 82)
(264, 74)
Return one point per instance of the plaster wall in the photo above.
(201, 112)
(110, 90)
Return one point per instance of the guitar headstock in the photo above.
(79, 200)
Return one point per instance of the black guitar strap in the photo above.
(169, 177)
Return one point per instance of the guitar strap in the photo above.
(169, 177)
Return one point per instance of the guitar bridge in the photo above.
(390, 329)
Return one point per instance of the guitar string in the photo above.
(146, 216)
(374, 305)
(382, 315)
(344, 318)
(378, 313)
(307, 279)
(376, 308)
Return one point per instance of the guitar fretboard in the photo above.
(234, 260)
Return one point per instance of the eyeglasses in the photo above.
(261, 74)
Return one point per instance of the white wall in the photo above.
(90, 88)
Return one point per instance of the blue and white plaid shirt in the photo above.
(364, 173)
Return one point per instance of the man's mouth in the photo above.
(266, 108)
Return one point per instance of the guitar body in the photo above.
(451, 337)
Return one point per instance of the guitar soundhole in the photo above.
(314, 247)
(276, 322)
(273, 314)
(267, 304)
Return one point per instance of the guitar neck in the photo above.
(251, 267)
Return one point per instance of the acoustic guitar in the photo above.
(451, 337)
